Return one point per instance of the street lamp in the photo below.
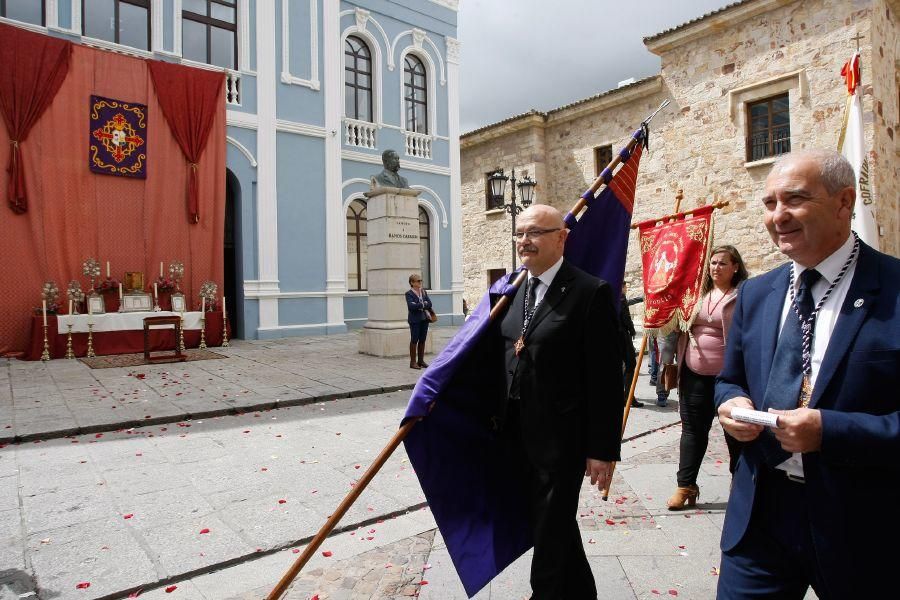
(497, 180)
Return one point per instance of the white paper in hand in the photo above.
(757, 417)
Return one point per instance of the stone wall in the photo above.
(708, 71)
(884, 74)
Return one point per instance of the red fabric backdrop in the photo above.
(75, 214)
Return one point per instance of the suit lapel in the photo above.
(772, 314)
(864, 287)
(552, 297)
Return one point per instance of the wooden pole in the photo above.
(326, 529)
(634, 380)
(344, 506)
(678, 215)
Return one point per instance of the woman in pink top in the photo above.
(701, 354)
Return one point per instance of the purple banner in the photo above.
(118, 138)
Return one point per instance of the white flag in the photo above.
(852, 146)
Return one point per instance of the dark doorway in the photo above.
(494, 275)
(233, 275)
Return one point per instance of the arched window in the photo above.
(357, 246)
(415, 94)
(357, 79)
(425, 247)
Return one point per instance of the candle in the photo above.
(223, 306)
(160, 270)
(120, 292)
(70, 306)
(44, 311)
(107, 269)
(155, 293)
(90, 307)
(203, 305)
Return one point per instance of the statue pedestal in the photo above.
(393, 254)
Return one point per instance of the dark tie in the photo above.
(532, 293)
(786, 376)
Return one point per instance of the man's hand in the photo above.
(799, 430)
(598, 471)
(744, 432)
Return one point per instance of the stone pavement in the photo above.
(218, 507)
(65, 397)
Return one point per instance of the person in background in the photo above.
(701, 352)
(626, 336)
(666, 356)
(653, 355)
(419, 304)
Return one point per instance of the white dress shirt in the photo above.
(825, 319)
(544, 280)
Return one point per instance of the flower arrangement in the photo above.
(108, 284)
(176, 272)
(76, 295)
(209, 291)
(166, 284)
(91, 268)
(49, 294)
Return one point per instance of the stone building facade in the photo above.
(712, 68)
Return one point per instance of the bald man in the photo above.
(816, 342)
(563, 411)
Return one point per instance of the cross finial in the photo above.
(856, 39)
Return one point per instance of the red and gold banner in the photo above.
(674, 255)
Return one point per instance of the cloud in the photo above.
(523, 54)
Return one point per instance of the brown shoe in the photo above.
(412, 356)
(683, 497)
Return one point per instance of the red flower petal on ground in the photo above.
(135, 594)
(246, 431)
(171, 589)
(610, 522)
(326, 553)
(673, 592)
(204, 530)
(654, 592)
(83, 585)
(423, 582)
(98, 435)
(128, 516)
(316, 597)
(282, 501)
(296, 550)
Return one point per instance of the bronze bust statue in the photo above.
(389, 176)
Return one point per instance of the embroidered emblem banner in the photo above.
(674, 256)
(118, 138)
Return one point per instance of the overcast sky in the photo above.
(522, 54)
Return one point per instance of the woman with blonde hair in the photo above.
(701, 354)
(419, 305)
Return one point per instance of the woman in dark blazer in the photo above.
(419, 305)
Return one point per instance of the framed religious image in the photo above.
(178, 304)
(137, 302)
(95, 304)
(134, 282)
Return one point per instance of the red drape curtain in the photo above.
(74, 214)
(33, 68)
(189, 99)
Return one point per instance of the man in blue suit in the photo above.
(816, 341)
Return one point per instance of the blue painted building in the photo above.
(316, 90)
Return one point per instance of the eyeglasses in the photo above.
(533, 234)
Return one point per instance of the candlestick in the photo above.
(69, 352)
(70, 306)
(120, 292)
(90, 348)
(181, 336)
(202, 331)
(203, 305)
(107, 269)
(224, 325)
(44, 311)
(45, 355)
(155, 292)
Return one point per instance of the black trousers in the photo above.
(697, 408)
(559, 567)
(630, 361)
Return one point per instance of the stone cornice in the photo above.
(613, 98)
(451, 4)
(529, 120)
(714, 22)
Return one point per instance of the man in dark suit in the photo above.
(816, 341)
(563, 411)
